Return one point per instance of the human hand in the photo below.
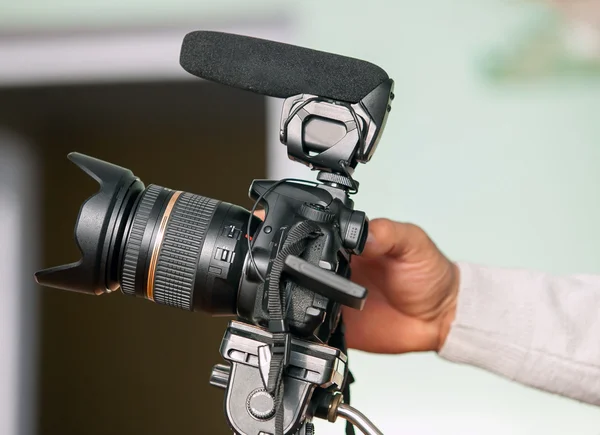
(412, 291)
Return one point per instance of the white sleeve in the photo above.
(539, 330)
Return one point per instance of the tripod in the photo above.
(247, 403)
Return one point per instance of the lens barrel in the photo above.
(185, 250)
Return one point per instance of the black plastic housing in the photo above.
(99, 230)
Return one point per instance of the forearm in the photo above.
(534, 328)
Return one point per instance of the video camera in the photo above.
(284, 278)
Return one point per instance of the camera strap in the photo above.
(295, 244)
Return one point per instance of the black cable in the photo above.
(261, 196)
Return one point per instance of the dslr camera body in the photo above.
(284, 279)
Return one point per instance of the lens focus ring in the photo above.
(181, 246)
(138, 227)
(185, 251)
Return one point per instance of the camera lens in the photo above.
(172, 247)
(185, 250)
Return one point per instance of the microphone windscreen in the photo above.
(277, 69)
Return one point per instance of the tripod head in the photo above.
(285, 278)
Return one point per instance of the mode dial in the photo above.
(316, 213)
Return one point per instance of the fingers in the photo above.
(387, 237)
(379, 328)
(394, 239)
(260, 214)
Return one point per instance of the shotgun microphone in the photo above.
(335, 107)
(276, 69)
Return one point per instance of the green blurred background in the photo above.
(493, 146)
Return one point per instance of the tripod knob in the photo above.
(261, 405)
(220, 376)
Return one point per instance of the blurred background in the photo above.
(492, 146)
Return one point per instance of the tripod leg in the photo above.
(357, 419)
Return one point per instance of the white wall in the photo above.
(18, 301)
(503, 175)
(23, 16)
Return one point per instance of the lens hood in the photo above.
(99, 230)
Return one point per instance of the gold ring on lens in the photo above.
(158, 244)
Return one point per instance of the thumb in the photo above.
(394, 239)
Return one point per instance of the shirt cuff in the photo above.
(493, 324)
(532, 328)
